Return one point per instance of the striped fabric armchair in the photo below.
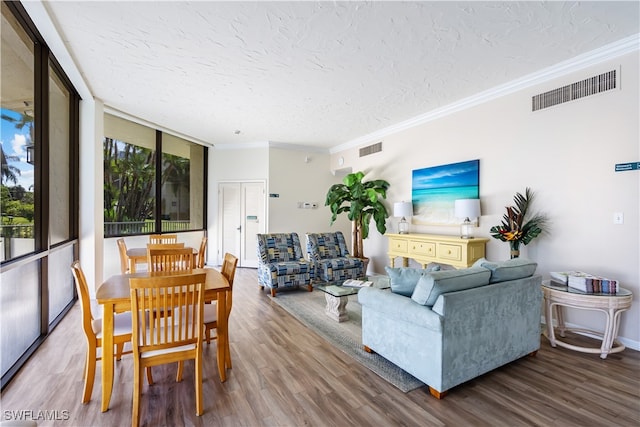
(281, 262)
(330, 256)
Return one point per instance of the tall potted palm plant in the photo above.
(362, 202)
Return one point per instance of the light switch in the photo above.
(618, 218)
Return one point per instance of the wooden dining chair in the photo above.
(202, 252)
(163, 238)
(124, 259)
(169, 339)
(176, 259)
(92, 328)
(229, 265)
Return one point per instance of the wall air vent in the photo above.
(370, 149)
(596, 84)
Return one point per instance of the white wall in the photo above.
(298, 177)
(91, 220)
(566, 154)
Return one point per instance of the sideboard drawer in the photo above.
(423, 248)
(450, 252)
(397, 245)
(428, 248)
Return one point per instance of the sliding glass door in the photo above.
(38, 228)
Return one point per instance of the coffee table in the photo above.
(337, 296)
(557, 296)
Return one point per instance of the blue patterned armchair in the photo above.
(330, 256)
(281, 262)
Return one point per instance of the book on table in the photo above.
(353, 283)
(585, 282)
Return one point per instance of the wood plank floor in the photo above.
(285, 375)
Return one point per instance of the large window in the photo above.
(18, 139)
(39, 201)
(182, 184)
(153, 181)
(129, 177)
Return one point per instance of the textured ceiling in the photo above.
(317, 73)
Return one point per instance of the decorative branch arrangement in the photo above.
(518, 224)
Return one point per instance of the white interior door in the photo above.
(242, 216)
(230, 226)
(253, 216)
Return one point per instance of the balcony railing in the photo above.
(17, 239)
(142, 227)
(22, 231)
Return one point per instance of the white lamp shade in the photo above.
(467, 208)
(403, 209)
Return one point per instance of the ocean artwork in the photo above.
(435, 189)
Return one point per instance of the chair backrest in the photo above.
(229, 265)
(326, 245)
(124, 261)
(279, 247)
(178, 259)
(165, 245)
(163, 238)
(182, 295)
(85, 302)
(201, 252)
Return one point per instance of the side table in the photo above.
(557, 296)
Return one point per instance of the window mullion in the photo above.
(158, 205)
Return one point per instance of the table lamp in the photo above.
(467, 208)
(403, 209)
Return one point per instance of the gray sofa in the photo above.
(456, 324)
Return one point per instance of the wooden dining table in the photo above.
(139, 256)
(115, 297)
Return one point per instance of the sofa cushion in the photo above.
(511, 269)
(404, 279)
(432, 285)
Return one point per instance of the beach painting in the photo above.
(435, 189)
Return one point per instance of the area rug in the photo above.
(308, 308)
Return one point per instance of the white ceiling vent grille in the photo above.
(591, 86)
(370, 149)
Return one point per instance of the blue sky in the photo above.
(452, 175)
(13, 143)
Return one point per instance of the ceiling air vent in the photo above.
(370, 149)
(577, 90)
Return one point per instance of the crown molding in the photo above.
(611, 51)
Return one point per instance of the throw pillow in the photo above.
(511, 269)
(404, 279)
(432, 285)
(479, 262)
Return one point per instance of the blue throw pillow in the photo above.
(432, 285)
(404, 279)
(511, 269)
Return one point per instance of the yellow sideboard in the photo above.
(426, 248)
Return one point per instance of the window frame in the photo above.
(44, 62)
(158, 153)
